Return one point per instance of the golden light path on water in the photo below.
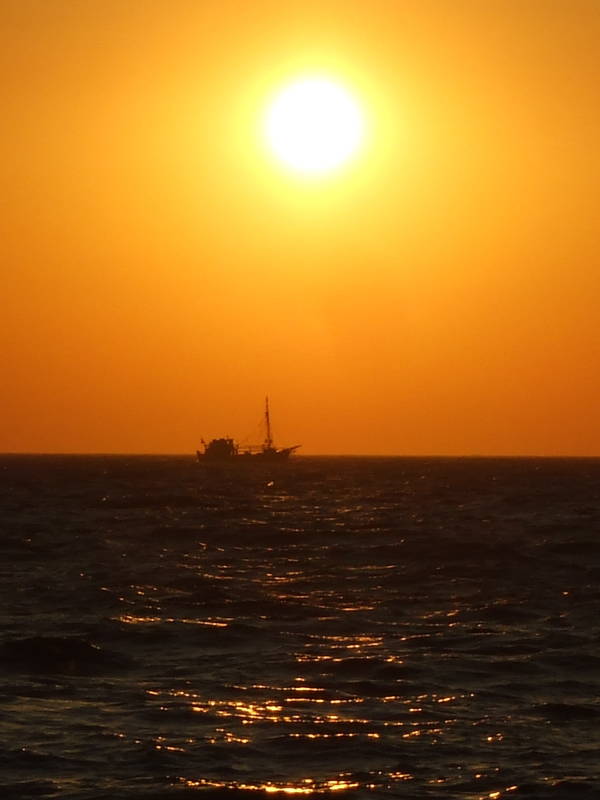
(309, 787)
(300, 711)
(252, 661)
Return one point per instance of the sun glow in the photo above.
(314, 125)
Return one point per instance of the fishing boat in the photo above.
(227, 449)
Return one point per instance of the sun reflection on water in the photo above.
(316, 710)
(133, 619)
(305, 786)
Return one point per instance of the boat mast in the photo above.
(269, 439)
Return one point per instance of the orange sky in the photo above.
(161, 274)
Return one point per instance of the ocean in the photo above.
(350, 627)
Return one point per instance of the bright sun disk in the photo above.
(314, 125)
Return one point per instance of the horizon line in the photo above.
(174, 454)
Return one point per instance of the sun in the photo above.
(314, 125)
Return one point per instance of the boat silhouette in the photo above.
(227, 449)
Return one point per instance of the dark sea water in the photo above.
(412, 628)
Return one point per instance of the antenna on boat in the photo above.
(269, 439)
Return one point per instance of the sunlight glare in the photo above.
(314, 125)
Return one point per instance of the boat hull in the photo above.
(262, 457)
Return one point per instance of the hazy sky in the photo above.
(161, 273)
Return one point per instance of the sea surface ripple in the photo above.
(360, 627)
